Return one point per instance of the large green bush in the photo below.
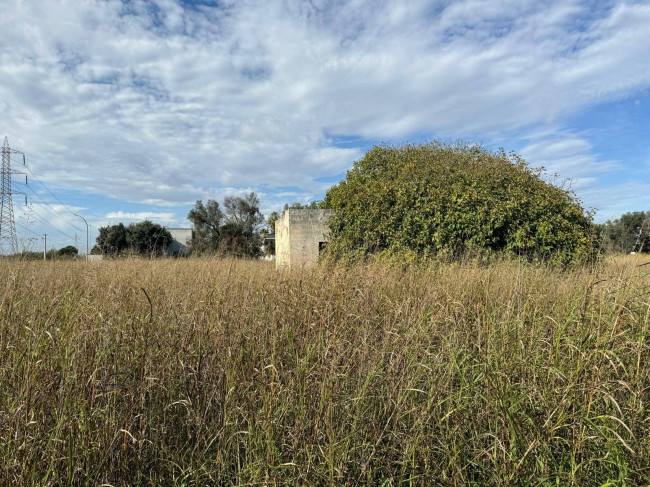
(438, 199)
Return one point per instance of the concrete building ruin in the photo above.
(300, 236)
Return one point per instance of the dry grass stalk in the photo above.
(226, 372)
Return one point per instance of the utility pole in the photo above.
(8, 240)
(45, 246)
(87, 235)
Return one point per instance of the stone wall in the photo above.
(282, 240)
(299, 237)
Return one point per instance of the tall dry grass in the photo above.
(222, 372)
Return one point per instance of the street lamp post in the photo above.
(87, 235)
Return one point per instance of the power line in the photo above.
(51, 209)
(28, 229)
(43, 219)
(45, 222)
(49, 191)
(46, 205)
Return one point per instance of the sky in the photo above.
(133, 109)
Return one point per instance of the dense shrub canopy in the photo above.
(142, 238)
(441, 199)
(69, 251)
(148, 238)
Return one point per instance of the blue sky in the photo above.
(135, 109)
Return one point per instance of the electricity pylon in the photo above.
(644, 229)
(8, 240)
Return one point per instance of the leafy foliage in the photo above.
(233, 231)
(65, 253)
(629, 233)
(69, 251)
(244, 212)
(273, 217)
(207, 220)
(439, 199)
(148, 238)
(142, 238)
(112, 239)
(314, 205)
(52, 254)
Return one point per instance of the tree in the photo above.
(314, 205)
(234, 241)
(207, 221)
(629, 233)
(243, 211)
(143, 238)
(240, 235)
(112, 239)
(273, 217)
(69, 251)
(148, 238)
(269, 245)
(438, 199)
(235, 231)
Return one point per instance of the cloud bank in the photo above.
(164, 102)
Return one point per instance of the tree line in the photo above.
(234, 229)
(415, 201)
(629, 233)
(64, 253)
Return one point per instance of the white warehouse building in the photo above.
(181, 240)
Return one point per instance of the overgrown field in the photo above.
(232, 373)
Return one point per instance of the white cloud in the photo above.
(567, 156)
(155, 103)
(163, 217)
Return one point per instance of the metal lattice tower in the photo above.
(8, 240)
(643, 231)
